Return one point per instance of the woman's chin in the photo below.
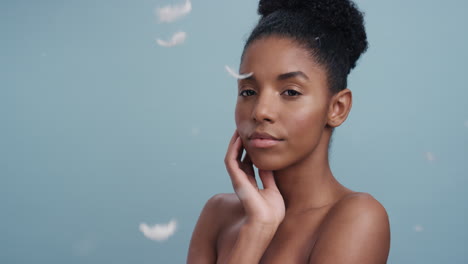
(267, 164)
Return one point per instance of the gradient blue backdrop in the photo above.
(102, 129)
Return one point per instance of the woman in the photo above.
(300, 54)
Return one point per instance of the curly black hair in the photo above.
(332, 30)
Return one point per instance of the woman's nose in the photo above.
(264, 109)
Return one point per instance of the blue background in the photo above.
(102, 129)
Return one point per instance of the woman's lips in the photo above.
(263, 142)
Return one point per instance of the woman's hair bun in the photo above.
(266, 7)
(337, 24)
(333, 13)
(340, 16)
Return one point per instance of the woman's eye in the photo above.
(292, 92)
(247, 93)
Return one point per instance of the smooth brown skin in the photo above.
(302, 214)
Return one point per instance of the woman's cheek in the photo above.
(305, 129)
(237, 117)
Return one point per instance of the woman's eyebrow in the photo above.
(283, 76)
(289, 75)
(249, 78)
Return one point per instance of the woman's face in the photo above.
(287, 97)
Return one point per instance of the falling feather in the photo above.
(418, 228)
(159, 232)
(172, 13)
(237, 75)
(176, 39)
(430, 156)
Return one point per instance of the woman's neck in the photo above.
(309, 183)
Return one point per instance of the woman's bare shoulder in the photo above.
(359, 202)
(358, 205)
(214, 216)
(223, 199)
(226, 205)
(222, 208)
(357, 221)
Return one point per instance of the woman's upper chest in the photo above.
(294, 239)
(292, 243)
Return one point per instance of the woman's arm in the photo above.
(356, 231)
(264, 208)
(264, 211)
(250, 245)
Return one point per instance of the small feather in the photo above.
(237, 75)
(172, 13)
(176, 39)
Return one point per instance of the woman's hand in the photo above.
(264, 207)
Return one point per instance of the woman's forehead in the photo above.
(274, 56)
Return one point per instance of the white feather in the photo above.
(418, 228)
(237, 75)
(430, 156)
(172, 13)
(176, 39)
(159, 232)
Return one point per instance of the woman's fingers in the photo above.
(268, 180)
(233, 165)
(247, 167)
(263, 206)
(231, 155)
(233, 138)
(232, 152)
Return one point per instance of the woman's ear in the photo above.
(340, 105)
